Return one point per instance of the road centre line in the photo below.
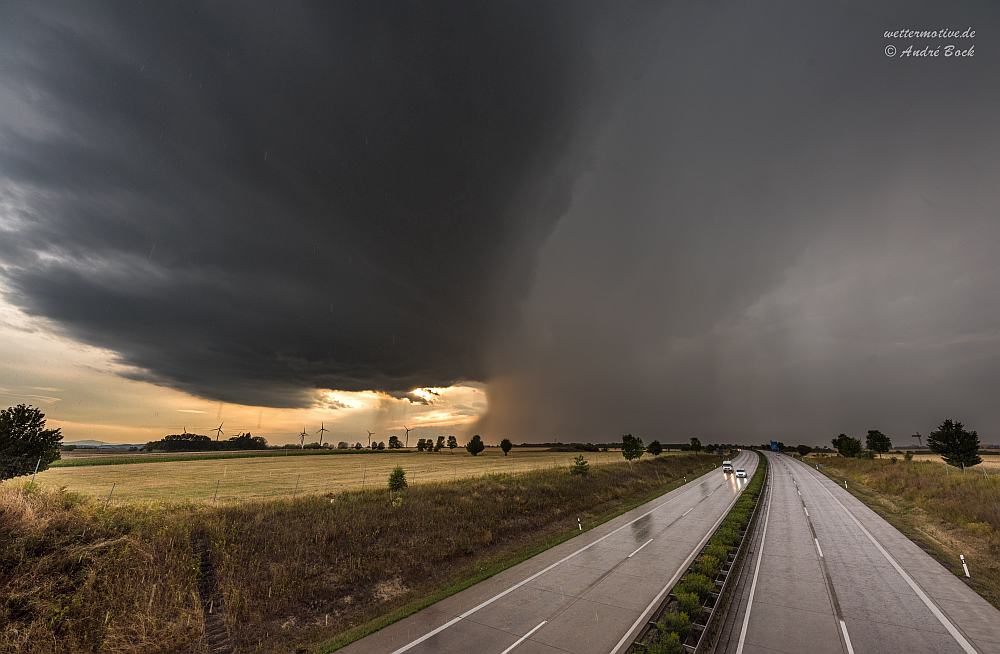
(434, 632)
(525, 637)
(687, 512)
(956, 634)
(816, 540)
(847, 639)
(640, 547)
(756, 572)
(806, 510)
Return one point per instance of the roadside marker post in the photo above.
(964, 567)
(580, 525)
(216, 489)
(36, 469)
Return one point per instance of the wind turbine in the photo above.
(320, 432)
(919, 438)
(302, 439)
(408, 430)
(218, 431)
(370, 433)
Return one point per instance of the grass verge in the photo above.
(295, 572)
(945, 512)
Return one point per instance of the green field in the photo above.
(276, 476)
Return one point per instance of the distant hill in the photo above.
(101, 445)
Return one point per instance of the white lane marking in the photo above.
(434, 632)
(956, 634)
(847, 639)
(816, 540)
(687, 512)
(525, 637)
(799, 492)
(806, 510)
(753, 586)
(640, 547)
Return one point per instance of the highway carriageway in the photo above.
(826, 574)
(592, 593)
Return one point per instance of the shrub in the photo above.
(580, 466)
(678, 623)
(666, 644)
(908, 457)
(708, 566)
(698, 584)
(689, 603)
(720, 552)
(397, 479)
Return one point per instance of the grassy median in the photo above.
(295, 572)
(943, 510)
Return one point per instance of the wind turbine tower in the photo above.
(218, 431)
(302, 439)
(369, 438)
(408, 430)
(322, 429)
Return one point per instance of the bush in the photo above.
(720, 552)
(689, 603)
(397, 479)
(908, 457)
(667, 644)
(678, 623)
(580, 466)
(697, 583)
(708, 566)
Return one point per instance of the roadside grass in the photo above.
(252, 478)
(292, 572)
(945, 512)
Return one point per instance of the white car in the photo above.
(740, 472)
(727, 467)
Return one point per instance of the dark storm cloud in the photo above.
(785, 233)
(248, 201)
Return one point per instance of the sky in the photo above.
(564, 220)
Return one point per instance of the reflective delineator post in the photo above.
(578, 524)
(964, 567)
(36, 469)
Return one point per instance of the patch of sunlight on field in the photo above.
(241, 479)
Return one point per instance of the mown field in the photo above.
(277, 476)
(946, 512)
(293, 574)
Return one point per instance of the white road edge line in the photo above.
(434, 632)
(847, 639)
(816, 540)
(753, 586)
(640, 547)
(525, 637)
(956, 634)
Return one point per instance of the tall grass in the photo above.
(970, 500)
(77, 578)
(74, 578)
